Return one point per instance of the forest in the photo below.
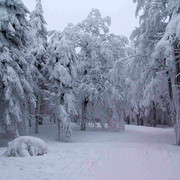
(85, 77)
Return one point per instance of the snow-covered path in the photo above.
(139, 153)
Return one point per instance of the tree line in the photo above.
(85, 74)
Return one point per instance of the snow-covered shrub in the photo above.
(26, 146)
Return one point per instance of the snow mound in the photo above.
(26, 146)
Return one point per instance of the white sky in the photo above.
(58, 13)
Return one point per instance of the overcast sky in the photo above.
(58, 13)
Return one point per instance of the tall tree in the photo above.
(15, 73)
(98, 52)
(37, 53)
(152, 16)
(62, 76)
(157, 39)
(167, 53)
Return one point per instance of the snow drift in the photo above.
(26, 146)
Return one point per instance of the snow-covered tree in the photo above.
(98, 52)
(157, 44)
(15, 73)
(88, 33)
(110, 48)
(167, 57)
(37, 53)
(153, 17)
(62, 75)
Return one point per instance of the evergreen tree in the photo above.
(62, 77)
(14, 68)
(37, 53)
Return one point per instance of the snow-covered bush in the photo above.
(26, 146)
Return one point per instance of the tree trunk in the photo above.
(176, 106)
(177, 119)
(84, 109)
(109, 117)
(177, 130)
(142, 121)
(40, 109)
(58, 130)
(36, 125)
(128, 120)
(31, 115)
(16, 132)
(137, 120)
(121, 121)
(154, 115)
(177, 82)
(37, 114)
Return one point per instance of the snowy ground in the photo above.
(139, 153)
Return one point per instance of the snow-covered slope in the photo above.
(139, 153)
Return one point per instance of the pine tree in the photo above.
(62, 76)
(14, 68)
(37, 53)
